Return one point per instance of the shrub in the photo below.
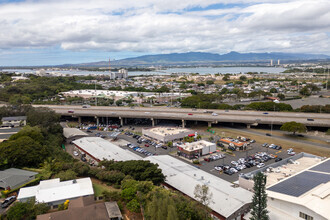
(133, 206)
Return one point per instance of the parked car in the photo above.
(278, 159)
(146, 145)
(8, 201)
(75, 153)
(260, 165)
(190, 114)
(83, 159)
(164, 147)
(267, 134)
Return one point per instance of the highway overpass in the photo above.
(249, 118)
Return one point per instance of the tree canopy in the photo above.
(293, 127)
(259, 201)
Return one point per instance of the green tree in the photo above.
(259, 200)
(305, 91)
(133, 206)
(66, 175)
(243, 78)
(281, 96)
(119, 102)
(293, 127)
(273, 90)
(21, 152)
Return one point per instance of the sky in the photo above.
(51, 32)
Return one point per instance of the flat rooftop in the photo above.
(289, 169)
(103, 149)
(198, 145)
(164, 131)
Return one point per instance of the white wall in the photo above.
(292, 209)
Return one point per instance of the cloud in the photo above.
(167, 26)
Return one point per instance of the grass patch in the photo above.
(286, 144)
(98, 189)
(293, 137)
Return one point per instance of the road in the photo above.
(247, 117)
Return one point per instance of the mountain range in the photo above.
(198, 58)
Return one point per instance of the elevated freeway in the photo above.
(155, 113)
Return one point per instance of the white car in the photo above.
(75, 153)
(260, 165)
(214, 114)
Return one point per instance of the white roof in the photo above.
(71, 132)
(53, 190)
(184, 177)
(196, 145)
(103, 149)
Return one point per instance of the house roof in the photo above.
(14, 118)
(53, 190)
(13, 177)
(80, 210)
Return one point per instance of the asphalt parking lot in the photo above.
(206, 166)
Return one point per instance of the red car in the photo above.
(190, 114)
(146, 145)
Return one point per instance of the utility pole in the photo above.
(95, 95)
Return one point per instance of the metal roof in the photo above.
(184, 177)
(103, 149)
(72, 132)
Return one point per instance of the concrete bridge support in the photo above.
(79, 120)
(183, 123)
(209, 124)
(152, 122)
(97, 121)
(248, 126)
(121, 121)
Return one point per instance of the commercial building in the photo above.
(228, 201)
(15, 121)
(97, 149)
(85, 208)
(166, 134)
(53, 192)
(199, 148)
(121, 74)
(13, 178)
(231, 142)
(305, 195)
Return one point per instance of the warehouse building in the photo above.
(166, 134)
(196, 149)
(228, 201)
(97, 149)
